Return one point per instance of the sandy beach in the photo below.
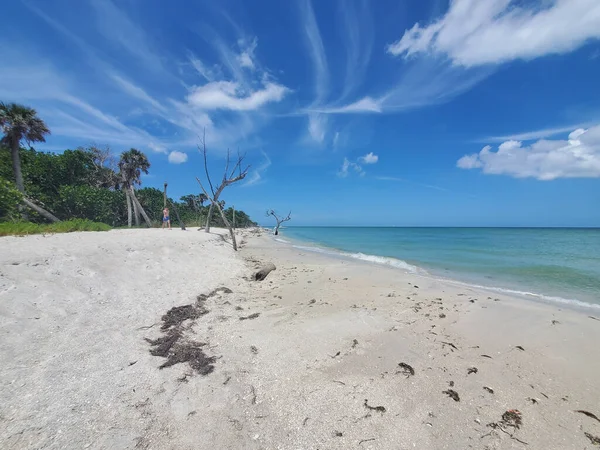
(324, 353)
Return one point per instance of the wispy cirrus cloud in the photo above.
(349, 167)
(316, 50)
(116, 27)
(576, 157)
(358, 36)
(404, 180)
(218, 96)
(256, 176)
(535, 134)
(441, 60)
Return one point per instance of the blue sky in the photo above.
(405, 112)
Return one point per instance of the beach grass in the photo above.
(67, 226)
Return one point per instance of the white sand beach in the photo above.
(319, 355)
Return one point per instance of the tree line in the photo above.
(86, 183)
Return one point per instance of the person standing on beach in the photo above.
(166, 218)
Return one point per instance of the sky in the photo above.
(349, 112)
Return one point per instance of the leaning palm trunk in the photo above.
(41, 211)
(16, 163)
(140, 209)
(136, 211)
(128, 200)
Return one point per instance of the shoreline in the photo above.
(315, 356)
(515, 289)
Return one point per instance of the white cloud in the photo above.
(231, 96)
(369, 158)
(577, 157)
(246, 58)
(349, 167)
(478, 32)
(176, 157)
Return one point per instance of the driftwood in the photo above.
(264, 271)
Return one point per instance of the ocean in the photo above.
(551, 264)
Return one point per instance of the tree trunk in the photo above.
(16, 163)
(128, 199)
(277, 229)
(210, 210)
(228, 225)
(136, 212)
(136, 209)
(41, 211)
(140, 208)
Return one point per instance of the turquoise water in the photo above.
(555, 263)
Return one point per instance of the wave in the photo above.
(383, 260)
(393, 262)
(409, 268)
(547, 298)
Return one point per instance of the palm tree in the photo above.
(131, 166)
(20, 123)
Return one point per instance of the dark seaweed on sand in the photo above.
(595, 440)
(176, 351)
(406, 369)
(452, 394)
(512, 418)
(380, 409)
(178, 314)
(251, 316)
(587, 413)
(172, 344)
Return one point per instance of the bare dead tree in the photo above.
(229, 177)
(279, 219)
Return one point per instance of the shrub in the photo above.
(10, 198)
(68, 226)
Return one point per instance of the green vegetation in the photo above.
(88, 184)
(67, 226)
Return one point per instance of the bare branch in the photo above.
(228, 179)
(279, 219)
(205, 161)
